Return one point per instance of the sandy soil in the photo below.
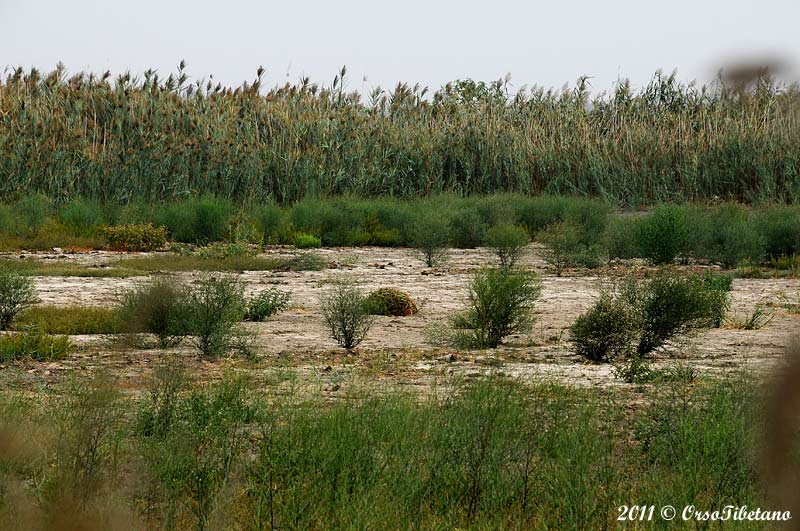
(396, 349)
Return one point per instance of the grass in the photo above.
(494, 453)
(33, 267)
(34, 344)
(171, 262)
(71, 136)
(69, 320)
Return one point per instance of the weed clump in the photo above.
(135, 237)
(32, 343)
(729, 236)
(663, 235)
(346, 314)
(304, 240)
(567, 245)
(215, 307)
(390, 301)
(508, 242)
(158, 307)
(70, 320)
(16, 293)
(266, 304)
(430, 236)
(640, 316)
(500, 304)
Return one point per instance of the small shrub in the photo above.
(390, 301)
(31, 213)
(663, 235)
(33, 344)
(303, 240)
(266, 304)
(157, 307)
(197, 220)
(566, 246)
(16, 293)
(608, 330)
(223, 251)
(620, 238)
(430, 236)
(727, 235)
(134, 238)
(671, 305)
(467, 229)
(216, 306)
(70, 320)
(500, 304)
(508, 242)
(271, 221)
(346, 314)
(780, 229)
(82, 215)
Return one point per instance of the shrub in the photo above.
(500, 303)
(663, 234)
(430, 236)
(538, 213)
(620, 238)
(718, 286)
(780, 229)
(157, 307)
(566, 246)
(727, 235)
(31, 213)
(34, 344)
(607, 330)
(16, 294)
(267, 303)
(346, 314)
(136, 238)
(216, 306)
(508, 242)
(671, 305)
(390, 301)
(270, 220)
(197, 220)
(302, 240)
(82, 215)
(467, 228)
(223, 251)
(70, 320)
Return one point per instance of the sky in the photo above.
(543, 43)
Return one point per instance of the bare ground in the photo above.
(294, 345)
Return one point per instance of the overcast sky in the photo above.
(426, 41)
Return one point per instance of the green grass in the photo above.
(172, 262)
(34, 344)
(495, 453)
(69, 320)
(59, 268)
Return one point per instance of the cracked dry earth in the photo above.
(294, 345)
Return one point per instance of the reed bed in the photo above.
(149, 138)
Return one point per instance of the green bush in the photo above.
(223, 250)
(620, 238)
(565, 245)
(500, 304)
(197, 220)
(215, 307)
(780, 229)
(508, 242)
(390, 301)
(346, 314)
(70, 320)
(16, 293)
(302, 240)
(271, 222)
(266, 304)
(430, 236)
(33, 344)
(158, 307)
(608, 330)
(538, 213)
(671, 305)
(82, 215)
(728, 235)
(467, 228)
(31, 213)
(663, 235)
(135, 238)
